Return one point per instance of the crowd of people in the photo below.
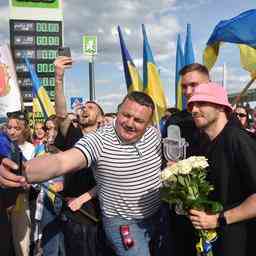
(91, 183)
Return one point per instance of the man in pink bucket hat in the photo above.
(215, 99)
(231, 154)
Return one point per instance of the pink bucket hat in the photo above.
(212, 93)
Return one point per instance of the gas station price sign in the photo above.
(38, 40)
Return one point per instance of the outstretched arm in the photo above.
(50, 166)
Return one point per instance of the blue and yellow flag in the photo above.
(240, 30)
(39, 150)
(189, 58)
(179, 99)
(151, 79)
(41, 100)
(132, 77)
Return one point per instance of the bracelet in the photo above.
(222, 221)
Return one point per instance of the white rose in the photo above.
(198, 162)
(166, 173)
(185, 166)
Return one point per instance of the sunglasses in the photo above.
(241, 115)
(17, 115)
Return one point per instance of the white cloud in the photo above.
(102, 17)
(236, 78)
(185, 5)
(4, 25)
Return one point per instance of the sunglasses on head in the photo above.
(241, 114)
(17, 115)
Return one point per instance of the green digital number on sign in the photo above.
(47, 27)
(46, 54)
(48, 40)
(45, 68)
(47, 81)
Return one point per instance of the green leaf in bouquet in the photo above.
(193, 192)
(215, 207)
(166, 194)
(181, 179)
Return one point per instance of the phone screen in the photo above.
(64, 51)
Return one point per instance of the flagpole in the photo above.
(241, 94)
(91, 79)
(224, 84)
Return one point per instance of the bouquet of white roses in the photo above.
(185, 184)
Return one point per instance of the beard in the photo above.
(87, 122)
(203, 122)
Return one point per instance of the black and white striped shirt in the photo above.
(127, 175)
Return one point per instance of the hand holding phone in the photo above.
(64, 51)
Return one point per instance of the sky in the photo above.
(163, 20)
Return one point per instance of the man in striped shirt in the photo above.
(126, 157)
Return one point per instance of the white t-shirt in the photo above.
(127, 175)
(28, 150)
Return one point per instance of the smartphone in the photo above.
(126, 236)
(64, 51)
(17, 157)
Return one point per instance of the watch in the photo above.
(222, 221)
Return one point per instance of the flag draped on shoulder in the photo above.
(239, 30)
(151, 79)
(132, 77)
(179, 65)
(41, 100)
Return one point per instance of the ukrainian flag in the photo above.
(41, 100)
(189, 58)
(179, 99)
(39, 150)
(151, 79)
(132, 77)
(240, 30)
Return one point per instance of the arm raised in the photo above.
(61, 63)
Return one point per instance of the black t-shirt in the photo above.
(77, 183)
(231, 156)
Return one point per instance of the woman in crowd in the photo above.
(243, 116)
(39, 133)
(18, 130)
(48, 236)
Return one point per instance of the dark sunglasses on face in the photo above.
(241, 115)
